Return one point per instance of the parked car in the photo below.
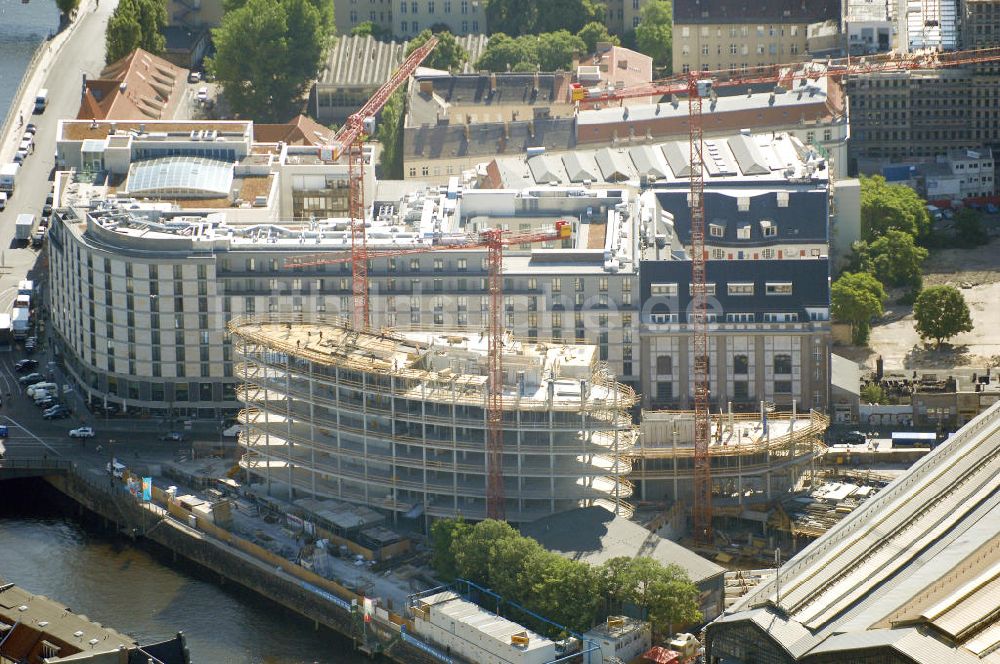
(20, 156)
(854, 438)
(30, 345)
(56, 412)
(202, 94)
(82, 432)
(992, 209)
(173, 436)
(194, 76)
(25, 364)
(45, 402)
(31, 379)
(47, 209)
(31, 128)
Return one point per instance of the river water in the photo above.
(22, 27)
(139, 592)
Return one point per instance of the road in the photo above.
(83, 53)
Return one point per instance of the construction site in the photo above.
(398, 420)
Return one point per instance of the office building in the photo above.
(733, 35)
(398, 421)
(406, 20)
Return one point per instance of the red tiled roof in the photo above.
(140, 86)
(302, 130)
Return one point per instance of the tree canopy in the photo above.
(568, 592)
(654, 34)
(550, 51)
(595, 32)
(389, 132)
(885, 207)
(267, 52)
(530, 17)
(448, 54)
(856, 298)
(556, 50)
(941, 313)
(369, 28)
(969, 230)
(895, 259)
(67, 6)
(135, 24)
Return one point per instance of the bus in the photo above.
(913, 439)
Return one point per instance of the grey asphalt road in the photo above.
(82, 54)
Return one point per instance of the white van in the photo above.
(3, 200)
(116, 469)
(41, 387)
(41, 100)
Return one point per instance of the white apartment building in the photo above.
(143, 285)
(405, 19)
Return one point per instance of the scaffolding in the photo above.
(398, 420)
(754, 459)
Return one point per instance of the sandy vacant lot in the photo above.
(976, 273)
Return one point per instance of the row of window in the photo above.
(743, 31)
(732, 288)
(744, 49)
(711, 317)
(414, 6)
(741, 390)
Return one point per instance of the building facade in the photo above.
(406, 19)
(923, 113)
(981, 23)
(725, 35)
(398, 421)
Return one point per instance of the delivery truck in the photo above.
(8, 173)
(24, 227)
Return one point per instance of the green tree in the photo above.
(267, 52)
(941, 313)
(324, 7)
(505, 53)
(969, 230)
(595, 32)
(448, 54)
(446, 538)
(556, 50)
(873, 393)
(885, 207)
(896, 259)
(67, 7)
(306, 37)
(512, 17)
(673, 601)
(509, 561)
(389, 132)
(368, 28)
(856, 298)
(135, 24)
(569, 15)
(616, 582)
(472, 557)
(654, 34)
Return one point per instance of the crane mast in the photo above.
(698, 318)
(349, 138)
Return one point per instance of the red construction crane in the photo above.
(494, 241)
(697, 86)
(349, 138)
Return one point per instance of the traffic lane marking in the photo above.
(27, 431)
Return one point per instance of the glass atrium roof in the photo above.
(180, 177)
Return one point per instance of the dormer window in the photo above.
(716, 230)
(768, 228)
(743, 233)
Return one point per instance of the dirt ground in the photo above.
(976, 272)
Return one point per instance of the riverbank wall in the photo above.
(233, 560)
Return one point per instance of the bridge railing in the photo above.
(41, 463)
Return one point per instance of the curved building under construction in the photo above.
(397, 420)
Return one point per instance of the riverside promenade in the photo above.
(36, 73)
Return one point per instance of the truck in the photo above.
(8, 173)
(24, 226)
(20, 323)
